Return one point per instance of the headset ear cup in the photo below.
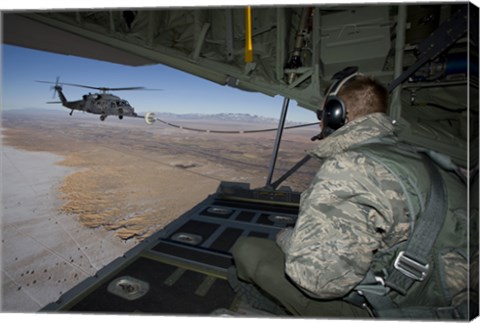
(334, 113)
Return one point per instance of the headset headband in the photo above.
(338, 85)
(341, 78)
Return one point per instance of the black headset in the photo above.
(334, 112)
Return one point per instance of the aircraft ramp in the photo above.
(182, 269)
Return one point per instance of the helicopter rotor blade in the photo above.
(106, 89)
(84, 86)
(103, 89)
(48, 82)
(142, 88)
(147, 89)
(126, 88)
(52, 87)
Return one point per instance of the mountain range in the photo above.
(237, 117)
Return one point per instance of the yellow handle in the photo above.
(248, 35)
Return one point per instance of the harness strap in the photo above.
(371, 292)
(412, 264)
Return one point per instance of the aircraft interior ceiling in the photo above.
(278, 50)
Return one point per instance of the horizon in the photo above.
(218, 119)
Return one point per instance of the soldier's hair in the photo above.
(363, 95)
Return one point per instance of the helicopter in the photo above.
(102, 103)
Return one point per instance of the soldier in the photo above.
(355, 224)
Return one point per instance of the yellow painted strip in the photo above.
(248, 35)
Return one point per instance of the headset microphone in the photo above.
(317, 137)
(325, 133)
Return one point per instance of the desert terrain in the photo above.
(118, 182)
(133, 179)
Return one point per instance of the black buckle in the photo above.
(411, 268)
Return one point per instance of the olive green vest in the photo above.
(429, 294)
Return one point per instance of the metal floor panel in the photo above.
(170, 290)
(185, 264)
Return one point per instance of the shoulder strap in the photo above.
(412, 264)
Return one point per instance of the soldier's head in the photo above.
(363, 95)
(351, 95)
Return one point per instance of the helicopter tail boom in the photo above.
(61, 96)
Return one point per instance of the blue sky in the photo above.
(181, 93)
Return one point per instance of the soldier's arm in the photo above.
(342, 218)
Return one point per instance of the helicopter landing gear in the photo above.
(120, 117)
(103, 117)
(71, 112)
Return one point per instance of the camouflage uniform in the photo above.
(353, 210)
(343, 214)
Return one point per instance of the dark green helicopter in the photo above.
(102, 103)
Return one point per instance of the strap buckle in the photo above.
(411, 268)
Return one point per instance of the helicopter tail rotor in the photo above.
(56, 87)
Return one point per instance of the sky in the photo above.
(180, 93)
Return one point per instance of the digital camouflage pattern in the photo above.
(355, 214)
